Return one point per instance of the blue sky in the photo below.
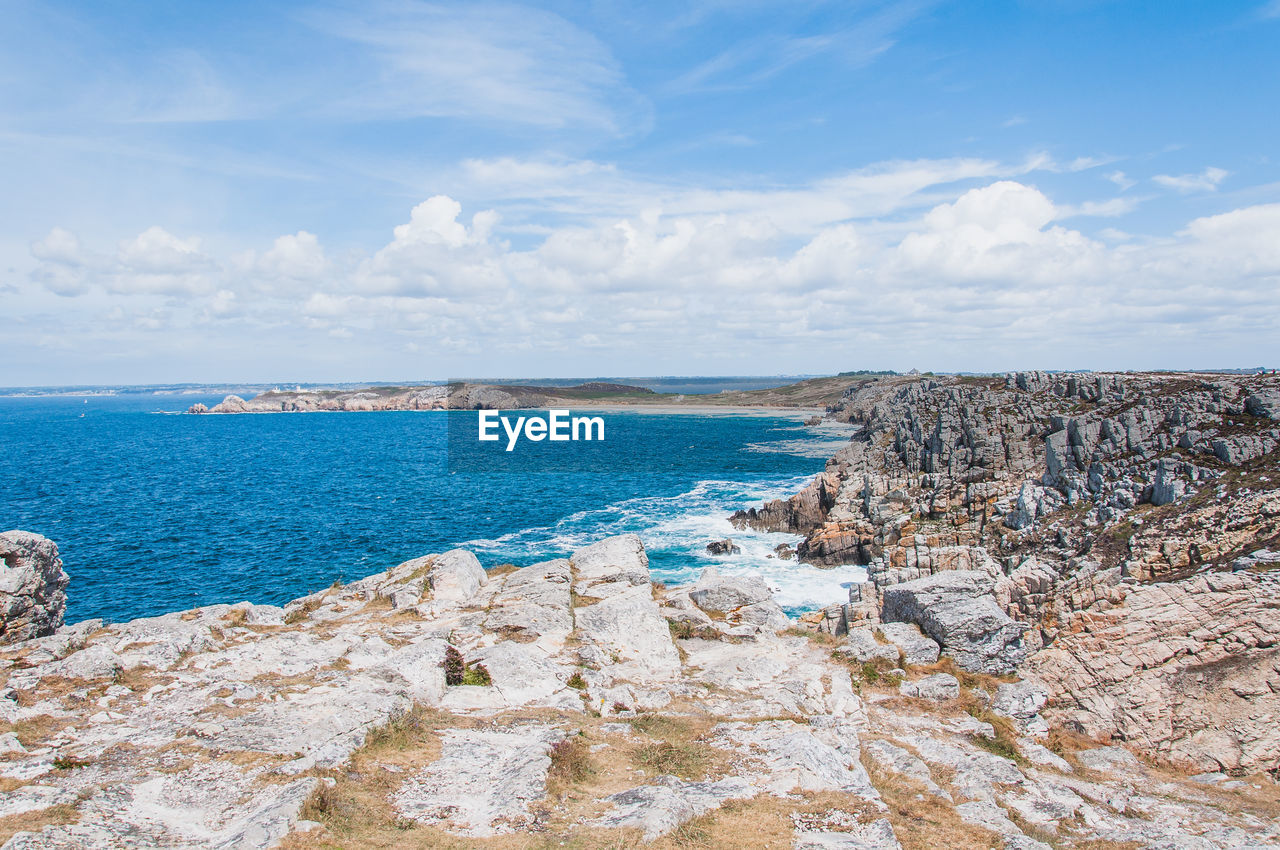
(235, 191)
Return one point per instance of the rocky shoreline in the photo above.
(1113, 535)
(811, 393)
(1068, 638)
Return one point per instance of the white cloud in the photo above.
(1205, 181)
(495, 62)
(910, 257)
(157, 251)
(1122, 180)
(296, 256)
(61, 269)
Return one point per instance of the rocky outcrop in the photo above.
(1187, 670)
(32, 586)
(958, 610)
(332, 721)
(1014, 518)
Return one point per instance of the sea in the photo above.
(154, 510)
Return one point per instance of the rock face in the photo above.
(958, 610)
(329, 723)
(32, 586)
(1063, 497)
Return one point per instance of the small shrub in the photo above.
(403, 730)
(617, 706)
(571, 763)
(685, 760)
(454, 666)
(69, 763)
(476, 675)
(576, 681)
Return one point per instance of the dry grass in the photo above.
(235, 617)
(678, 747)
(302, 612)
(571, 764)
(986, 681)
(63, 813)
(33, 730)
(502, 570)
(823, 639)
(920, 821)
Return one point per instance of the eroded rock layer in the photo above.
(1116, 535)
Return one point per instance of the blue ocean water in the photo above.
(155, 512)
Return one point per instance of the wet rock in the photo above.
(723, 547)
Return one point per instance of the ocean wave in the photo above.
(676, 530)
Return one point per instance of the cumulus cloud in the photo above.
(61, 267)
(958, 260)
(1205, 181)
(297, 256)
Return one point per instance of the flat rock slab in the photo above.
(786, 756)
(483, 782)
(877, 835)
(668, 802)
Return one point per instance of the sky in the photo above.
(274, 192)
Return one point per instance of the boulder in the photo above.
(958, 610)
(33, 586)
(916, 648)
(863, 646)
(614, 560)
(714, 592)
(1019, 700)
(456, 576)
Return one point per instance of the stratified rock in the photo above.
(1187, 670)
(32, 586)
(863, 646)
(534, 601)
(957, 609)
(1019, 700)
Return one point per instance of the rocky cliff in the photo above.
(1113, 535)
(572, 702)
(32, 587)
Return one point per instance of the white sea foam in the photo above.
(676, 530)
